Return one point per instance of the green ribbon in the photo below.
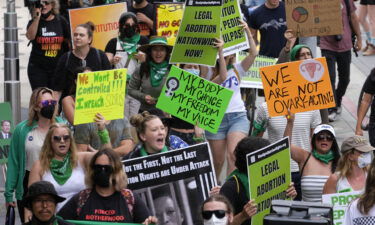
(158, 71)
(145, 153)
(61, 170)
(325, 158)
(244, 180)
(129, 45)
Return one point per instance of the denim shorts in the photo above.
(232, 122)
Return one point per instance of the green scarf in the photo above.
(129, 45)
(109, 1)
(325, 158)
(244, 180)
(145, 153)
(158, 71)
(230, 66)
(61, 170)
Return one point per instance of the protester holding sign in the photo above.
(82, 55)
(50, 37)
(145, 12)
(362, 209)
(217, 210)
(352, 168)
(27, 141)
(315, 170)
(235, 124)
(146, 85)
(107, 199)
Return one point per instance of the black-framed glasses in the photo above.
(207, 214)
(58, 138)
(48, 201)
(48, 102)
(322, 137)
(106, 168)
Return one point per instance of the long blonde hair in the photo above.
(344, 166)
(34, 102)
(47, 153)
(367, 199)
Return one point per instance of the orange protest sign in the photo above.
(105, 19)
(299, 86)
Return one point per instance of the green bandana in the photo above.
(109, 1)
(129, 45)
(325, 158)
(144, 153)
(61, 170)
(158, 71)
(244, 180)
(230, 66)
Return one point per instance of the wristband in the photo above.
(104, 136)
(198, 139)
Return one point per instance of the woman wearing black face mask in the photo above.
(107, 198)
(27, 141)
(50, 37)
(122, 53)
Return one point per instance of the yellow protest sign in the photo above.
(168, 19)
(299, 86)
(100, 92)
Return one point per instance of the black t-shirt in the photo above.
(113, 208)
(50, 43)
(369, 88)
(64, 73)
(150, 12)
(111, 45)
(236, 195)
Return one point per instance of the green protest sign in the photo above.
(6, 130)
(88, 222)
(269, 176)
(340, 201)
(194, 99)
(252, 78)
(233, 36)
(100, 92)
(199, 27)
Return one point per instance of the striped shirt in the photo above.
(312, 187)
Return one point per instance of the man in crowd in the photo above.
(145, 12)
(5, 130)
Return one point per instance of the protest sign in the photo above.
(200, 26)
(6, 130)
(234, 37)
(179, 180)
(314, 17)
(105, 19)
(194, 99)
(168, 20)
(252, 78)
(340, 201)
(299, 86)
(100, 92)
(269, 176)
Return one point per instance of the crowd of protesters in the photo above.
(76, 171)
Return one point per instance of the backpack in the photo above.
(126, 193)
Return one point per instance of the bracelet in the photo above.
(104, 136)
(198, 139)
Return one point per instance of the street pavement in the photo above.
(344, 126)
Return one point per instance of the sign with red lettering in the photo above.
(168, 20)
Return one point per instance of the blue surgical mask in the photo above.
(193, 71)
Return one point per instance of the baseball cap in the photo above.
(324, 127)
(358, 143)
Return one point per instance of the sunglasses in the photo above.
(48, 102)
(322, 137)
(45, 2)
(218, 213)
(106, 168)
(58, 138)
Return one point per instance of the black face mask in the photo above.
(47, 111)
(46, 15)
(102, 174)
(128, 31)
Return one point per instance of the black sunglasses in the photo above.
(106, 168)
(58, 138)
(327, 137)
(218, 213)
(45, 2)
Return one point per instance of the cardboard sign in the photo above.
(168, 20)
(314, 17)
(234, 37)
(252, 78)
(299, 86)
(6, 131)
(269, 176)
(177, 181)
(194, 99)
(340, 202)
(200, 26)
(100, 92)
(105, 19)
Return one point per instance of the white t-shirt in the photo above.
(354, 217)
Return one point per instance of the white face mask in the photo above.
(364, 160)
(216, 221)
(193, 71)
